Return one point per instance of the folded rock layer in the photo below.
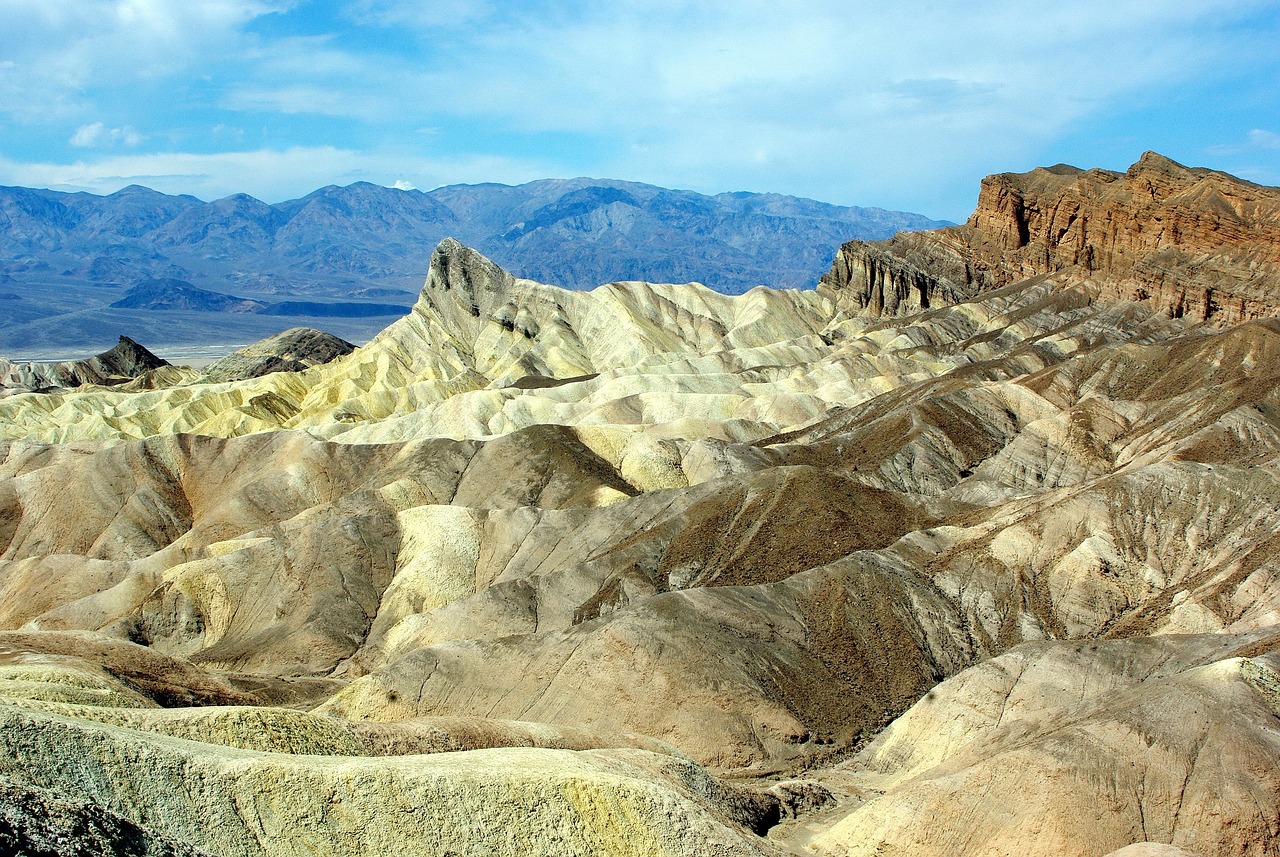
(971, 550)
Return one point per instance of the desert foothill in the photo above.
(969, 550)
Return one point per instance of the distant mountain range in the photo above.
(367, 244)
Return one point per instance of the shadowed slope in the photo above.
(755, 529)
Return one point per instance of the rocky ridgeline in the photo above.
(126, 361)
(1187, 242)
(655, 570)
(131, 367)
(292, 350)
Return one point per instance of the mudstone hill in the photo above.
(972, 550)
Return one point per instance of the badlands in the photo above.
(971, 550)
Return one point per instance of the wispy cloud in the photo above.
(901, 104)
(79, 43)
(98, 135)
(1256, 140)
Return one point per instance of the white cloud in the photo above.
(903, 104)
(98, 135)
(401, 184)
(1256, 140)
(1260, 139)
(302, 99)
(89, 38)
(824, 97)
(57, 50)
(268, 174)
(1253, 157)
(88, 135)
(416, 14)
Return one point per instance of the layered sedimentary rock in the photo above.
(293, 350)
(994, 576)
(500, 801)
(1148, 740)
(477, 330)
(127, 360)
(1185, 241)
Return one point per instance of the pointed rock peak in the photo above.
(458, 268)
(127, 358)
(127, 347)
(1153, 163)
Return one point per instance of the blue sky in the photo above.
(850, 102)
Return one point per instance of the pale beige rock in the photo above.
(755, 530)
(518, 802)
(1150, 849)
(1149, 740)
(477, 330)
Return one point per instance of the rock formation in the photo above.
(1149, 739)
(1185, 241)
(127, 360)
(293, 350)
(985, 564)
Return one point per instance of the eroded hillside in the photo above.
(979, 565)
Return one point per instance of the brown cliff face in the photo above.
(1189, 242)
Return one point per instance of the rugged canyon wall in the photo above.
(1187, 242)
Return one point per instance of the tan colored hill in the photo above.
(477, 330)
(993, 576)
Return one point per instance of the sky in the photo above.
(901, 105)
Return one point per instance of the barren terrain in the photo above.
(970, 551)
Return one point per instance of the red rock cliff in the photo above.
(1191, 242)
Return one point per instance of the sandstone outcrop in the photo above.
(1152, 741)
(503, 801)
(946, 573)
(1185, 241)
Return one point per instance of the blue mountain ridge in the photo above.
(351, 258)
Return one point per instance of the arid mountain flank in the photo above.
(1184, 241)
(984, 565)
(123, 363)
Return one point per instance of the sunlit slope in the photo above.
(476, 328)
(996, 575)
